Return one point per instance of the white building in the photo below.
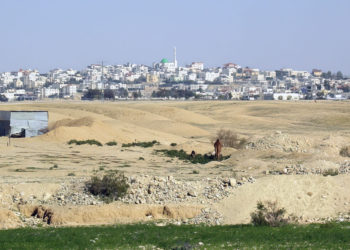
(69, 90)
(209, 76)
(197, 66)
(47, 92)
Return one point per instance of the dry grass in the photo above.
(345, 151)
(230, 139)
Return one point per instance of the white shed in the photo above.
(23, 123)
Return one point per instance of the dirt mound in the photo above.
(85, 121)
(109, 214)
(282, 142)
(8, 219)
(307, 197)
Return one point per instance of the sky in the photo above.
(264, 34)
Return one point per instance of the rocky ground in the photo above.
(143, 190)
(292, 155)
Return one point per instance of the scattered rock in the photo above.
(192, 193)
(232, 182)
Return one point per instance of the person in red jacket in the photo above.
(218, 147)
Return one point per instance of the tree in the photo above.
(339, 75)
(175, 93)
(92, 94)
(3, 98)
(320, 95)
(135, 95)
(109, 94)
(122, 93)
(327, 85)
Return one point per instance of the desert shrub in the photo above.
(111, 143)
(173, 144)
(20, 170)
(141, 158)
(82, 142)
(110, 187)
(195, 172)
(230, 139)
(268, 214)
(71, 174)
(345, 151)
(182, 155)
(331, 172)
(141, 144)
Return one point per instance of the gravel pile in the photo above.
(162, 190)
(282, 143)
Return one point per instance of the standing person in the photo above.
(218, 147)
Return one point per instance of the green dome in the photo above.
(164, 60)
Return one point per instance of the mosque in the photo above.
(166, 65)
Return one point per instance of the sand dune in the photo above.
(281, 134)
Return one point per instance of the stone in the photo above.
(226, 180)
(206, 210)
(46, 196)
(232, 182)
(192, 193)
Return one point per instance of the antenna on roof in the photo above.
(102, 83)
(175, 61)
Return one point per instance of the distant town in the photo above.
(167, 80)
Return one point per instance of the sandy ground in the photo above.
(308, 133)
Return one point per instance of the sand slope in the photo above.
(281, 134)
(306, 196)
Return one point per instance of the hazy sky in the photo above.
(265, 34)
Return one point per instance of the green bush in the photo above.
(82, 142)
(268, 214)
(182, 155)
(110, 187)
(331, 172)
(173, 144)
(141, 144)
(111, 143)
(20, 170)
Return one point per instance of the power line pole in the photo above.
(102, 83)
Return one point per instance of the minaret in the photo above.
(175, 61)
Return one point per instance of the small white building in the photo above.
(47, 92)
(69, 90)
